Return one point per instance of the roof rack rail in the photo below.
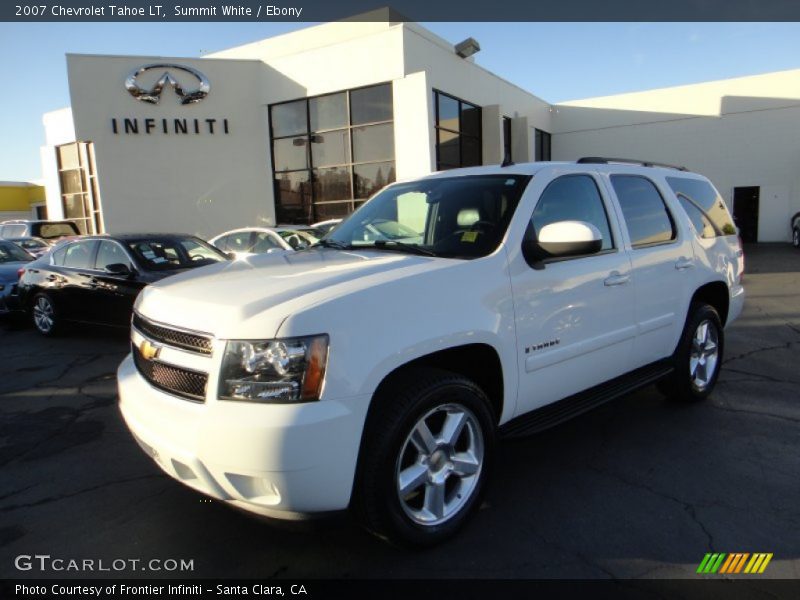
(602, 160)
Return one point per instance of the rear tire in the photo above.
(796, 237)
(425, 458)
(44, 315)
(698, 358)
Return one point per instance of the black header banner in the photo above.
(400, 10)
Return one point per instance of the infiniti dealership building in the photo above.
(305, 126)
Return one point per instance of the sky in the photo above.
(555, 61)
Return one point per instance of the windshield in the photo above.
(30, 243)
(458, 217)
(12, 253)
(56, 230)
(164, 254)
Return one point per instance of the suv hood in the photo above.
(225, 298)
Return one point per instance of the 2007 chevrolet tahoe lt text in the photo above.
(376, 369)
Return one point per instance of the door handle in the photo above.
(616, 278)
(684, 263)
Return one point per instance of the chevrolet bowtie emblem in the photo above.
(149, 350)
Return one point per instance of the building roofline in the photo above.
(682, 86)
(172, 58)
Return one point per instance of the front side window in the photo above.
(239, 241)
(331, 152)
(573, 198)
(458, 132)
(264, 242)
(646, 215)
(454, 217)
(111, 253)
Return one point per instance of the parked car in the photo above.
(50, 231)
(13, 260)
(377, 372)
(248, 241)
(35, 246)
(323, 228)
(796, 230)
(297, 236)
(95, 279)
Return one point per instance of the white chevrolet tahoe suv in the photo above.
(377, 369)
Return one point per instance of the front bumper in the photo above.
(271, 459)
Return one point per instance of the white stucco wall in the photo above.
(195, 183)
(739, 132)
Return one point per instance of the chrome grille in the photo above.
(193, 342)
(175, 380)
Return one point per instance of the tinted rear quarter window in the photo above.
(702, 195)
(646, 215)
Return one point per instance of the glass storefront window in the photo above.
(371, 105)
(369, 178)
(289, 118)
(458, 132)
(328, 112)
(375, 142)
(330, 148)
(330, 151)
(290, 154)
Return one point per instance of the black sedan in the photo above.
(95, 279)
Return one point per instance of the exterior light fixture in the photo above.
(468, 47)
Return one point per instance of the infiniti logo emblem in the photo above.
(153, 95)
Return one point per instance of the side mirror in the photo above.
(119, 269)
(561, 240)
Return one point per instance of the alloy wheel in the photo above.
(440, 464)
(43, 314)
(704, 355)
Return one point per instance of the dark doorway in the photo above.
(745, 212)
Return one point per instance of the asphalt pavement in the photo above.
(642, 487)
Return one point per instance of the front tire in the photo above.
(425, 458)
(698, 357)
(796, 237)
(45, 317)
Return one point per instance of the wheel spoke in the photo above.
(465, 464)
(453, 426)
(412, 478)
(434, 499)
(423, 439)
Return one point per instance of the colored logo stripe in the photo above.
(711, 563)
(735, 562)
(758, 563)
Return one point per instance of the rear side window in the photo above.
(573, 198)
(78, 256)
(11, 231)
(701, 222)
(646, 215)
(704, 198)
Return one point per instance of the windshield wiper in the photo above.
(410, 247)
(332, 244)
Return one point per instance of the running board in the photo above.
(552, 414)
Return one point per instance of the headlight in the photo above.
(274, 371)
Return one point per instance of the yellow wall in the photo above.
(20, 197)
